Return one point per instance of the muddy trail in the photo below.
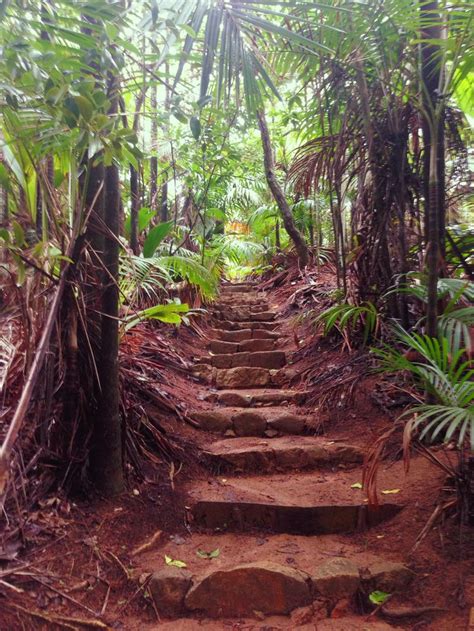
(267, 526)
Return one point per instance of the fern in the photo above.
(149, 276)
(434, 420)
(191, 270)
(442, 371)
(454, 325)
(348, 319)
(139, 276)
(172, 313)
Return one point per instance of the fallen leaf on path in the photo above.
(208, 555)
(378, 598)
(356, 485)
(390, 491)
(174, 562)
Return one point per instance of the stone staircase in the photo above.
(275, 481)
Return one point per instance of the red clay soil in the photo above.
(80, 561)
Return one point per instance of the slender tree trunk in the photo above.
(278, 194)
(154, 148)
(4, 215)
(433, 165)
(277, 235)
(39, 210)
(433, 249)
(164, 202)
(134, 204)
(106, 455)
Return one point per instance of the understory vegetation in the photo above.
(149, 150)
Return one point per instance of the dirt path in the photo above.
(255, 549)
(265, 527)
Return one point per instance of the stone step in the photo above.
(323, 519)
(246, 570)
(235, 301)
(255, 397)
(245, 377)
(238, 307)
(244, 315)
(259, 359)
(228, 325)
(243, 335)
(218, 346)
(237, 289)
(277, 454)
(253, 422)
(313, 503)
(285, 623)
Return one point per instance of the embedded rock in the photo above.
(255, 345)
(242, 377)
(212, 420)
(336, 578)
(287, 423)
(249, 424)
(387, 576)
(234, 399)
(265, 587)
(168, 587)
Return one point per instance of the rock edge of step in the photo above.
(269, 588)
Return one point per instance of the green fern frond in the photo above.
(348, 319)
(191, 270)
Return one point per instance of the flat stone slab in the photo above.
(264, 587)
(218, 346)
(321, 501)
(298, 520)
(242, 335)
(259, 359)
(252, 397)
(244, 312)
(302, 452)
(252, 422)
(243, 377)
(238, 287)
(229, 325)
(247, 300)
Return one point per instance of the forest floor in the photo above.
(276, 499)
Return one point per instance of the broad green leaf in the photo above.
(155, 237)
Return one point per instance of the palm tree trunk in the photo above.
(134, 203)
(164, 202)
(278, 194)
(106, 454)
(154, 148)
(433, 166)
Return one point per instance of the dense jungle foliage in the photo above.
(150, 149)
